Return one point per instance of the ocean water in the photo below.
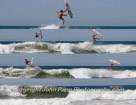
(54, 26)
(68, 68)
(89, 82)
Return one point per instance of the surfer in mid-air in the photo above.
(94, 38)
(113, 62)
(27, 62)
(61, 14)
(36, 35)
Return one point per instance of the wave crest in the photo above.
(51, 26)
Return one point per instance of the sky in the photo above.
(67, 59)
(67, 35)
(86, 12)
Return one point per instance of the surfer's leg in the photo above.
(97, 38)
(64, 14)
(63, 21)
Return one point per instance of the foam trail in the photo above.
(6, 49)
(64, 102)
(99, 94)
(51, 26)
(18, 73)
(11, 91)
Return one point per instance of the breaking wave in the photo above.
(32, 92)
(82, 97)
(65, 73)
(65, 48)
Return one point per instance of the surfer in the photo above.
(113, 62)
(21, 89)
(112, 66)
(41, 34)
(61, 15)
(38, 35)
(94, 38)
(116, 87)
(27, 62)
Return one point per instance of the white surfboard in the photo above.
(41, 35)
(113, 61)
(97, 32)
(68, 9)
(32, 61)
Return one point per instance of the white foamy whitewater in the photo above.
(65, 48)
(51, 26)
(71, 73)
(81, 97)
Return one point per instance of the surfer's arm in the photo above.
(57, 12)
(65, 10)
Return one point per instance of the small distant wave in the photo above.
(70, 27)
(52, 26)
(65, 48)
(65, 73)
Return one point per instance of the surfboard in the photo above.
(113, 61)
(41, 35)
(32, 61)
(68, 9)
(97, 32)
